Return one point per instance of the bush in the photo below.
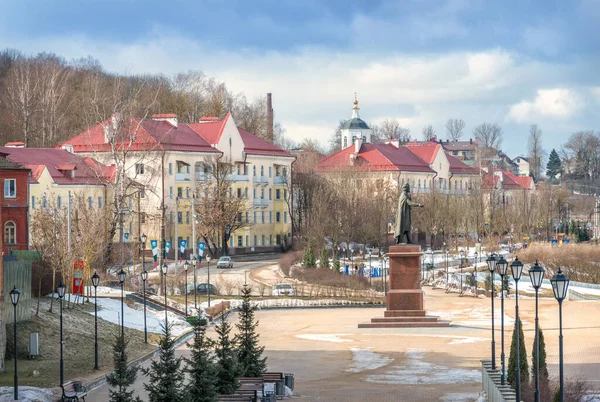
(309, 260)
(324, 259)
(288, 259)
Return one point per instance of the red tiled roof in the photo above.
(36, 172)
(459, 167)
(57, 159)
(15, 144)
(376, 157)
(211, 130)
(427, 151)
(164, 116)
(254, 145)
(521, 181)
(209, 118)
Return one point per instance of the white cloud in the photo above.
(558, 103)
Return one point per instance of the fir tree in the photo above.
(249, 353)
(487, 283)
(554, 166)
(506, 284)
(512, 360)
(201, 369)
(165, 375)
(309, 260)
(228, 371)
(122, 377)
(544, 377)
(336, 263)
(324, 261)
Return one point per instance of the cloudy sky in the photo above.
(514, 62)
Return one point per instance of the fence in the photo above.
(17, 273)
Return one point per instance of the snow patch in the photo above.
(460, 397)
(324, 337)
(29, 394)
(466, 339)
(365, 359)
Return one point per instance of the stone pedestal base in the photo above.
(405, 298)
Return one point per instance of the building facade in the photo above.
(15, 214)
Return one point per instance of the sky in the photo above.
(511, 62)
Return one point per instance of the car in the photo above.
(283, 289)
(225, 262)
(203, 289)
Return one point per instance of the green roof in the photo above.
(355, 123)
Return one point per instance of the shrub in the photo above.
(288, 259)
(309, 260)
(324, 259)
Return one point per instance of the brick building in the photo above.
(15, 215)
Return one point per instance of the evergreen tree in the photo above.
(228, 369)
(324, 261)
(249, 352)
(336, 263)
(544, 377)
(512, 360)
(165, 375)
(487, 283)
(309, 260)
(554, 166)
(506, 284)
(201, 369)
(122, 377)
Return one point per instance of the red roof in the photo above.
(376, 157)
(15, 144)
(164, 116)
(254, 145)
(427, 151)
(87, 170)
(522, 181)
(146, 135)
(209, 118)
(459, 167)
(210, 130)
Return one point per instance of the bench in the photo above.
(73, 391)
(235, 398)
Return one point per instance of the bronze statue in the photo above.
(403, 224)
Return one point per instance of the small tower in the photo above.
(355, 128)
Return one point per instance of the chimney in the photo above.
(269, 118)
(357, 144)
(170, 118)
(470, 140)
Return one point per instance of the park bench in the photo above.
(73, 391)
(235, 398)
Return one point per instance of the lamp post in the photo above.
(560, 287)
(536, 274)
(447, 276)
(385, 269)
(186, 265)
(462, 254)
(60, 289)
(95, 282)
(144, 277)
(502, 265)
(491, 263)
(122, 282)
(431, 257)
(14, 298)
(143, 240)
(208, 272)
(195, 262)
(517, 269)
(476, 261)
(164, 270)
(344, 257)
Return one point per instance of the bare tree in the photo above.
(335, 141)
(537, 155)
(454, 129)
(428, 133)
(489, 135)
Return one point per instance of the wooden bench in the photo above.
(273, 377)
(73, 391)
(235, 398)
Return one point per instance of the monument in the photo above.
(404, 300)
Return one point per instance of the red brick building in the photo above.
(15, 210)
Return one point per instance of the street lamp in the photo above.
(122, 282)
(194, 261)
(143, 240)
(491, 263)
(186, 265)
(560, 287)
(208, 271)
(462, 254)
(95, 282)
(431, 257)
(517, 269)
(536, 274)
(502, 266)
(447, 276)
(144, 277)
(476, 254)
(164, 271)
(60, 289)
(14, 297)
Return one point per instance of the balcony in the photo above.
(182, 177)
(260, 203)
(239, 178)
(279, 181)
(202, 176)
(260, 180)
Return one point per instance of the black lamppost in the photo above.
(194, 261)
(431, 257)
(502, 266)
(208, 272)
(144, 277)
(164, 270)
(60, 289)
(536, 274)
(14, 297)
(517, 269)
(95, 282)
(560, 287)
(143, 239)
(186, 265)
(462, 254)
(491, 263)
(447, 276)
(476, 261)
(122, 282)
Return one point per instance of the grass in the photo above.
(78, 354)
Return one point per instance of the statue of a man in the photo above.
(403, 223)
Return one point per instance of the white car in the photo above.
(225, 262)
(283, 289)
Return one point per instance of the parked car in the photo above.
(225, 262)
(283, 289)
(203, 289)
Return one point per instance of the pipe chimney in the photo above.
(269, 118)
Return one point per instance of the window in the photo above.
(239, 193)
(130, 228)
(247, 217)
(255, 219)
(245, 170)
(262, 193)
(59, 202)
(277, 171)
(247, 241)
(345, 142)
(262, 170)
(270, 240)
(143, 217)
(285, 194)
(139, 168)
(44, 202)
(262, 216)
(269, 171)
(278, 240)
(263, 240)
(230, 192)
(278, 217)
(170, 168)
(461, 185)
(270, 194)
(278, 194)
(10, 188)
(254, 171)
(171, 215)
(255, 240)
(179, 192)
(187, 217)
(419, 183)
(33, 202)
(424, 183)
(231, 241)
(284, 172)
(10, 233)
(171, 192)
(143, 194)
(239, 217)
(238, 169)
(246, 193)
(284, 217)
(90, 202)
(239, 243)
(100, 202)
(187, 192)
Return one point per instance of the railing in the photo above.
(202, 176)
(182, 177)
(236, 178)
(264, 180)
(279, 180)
(491, 385)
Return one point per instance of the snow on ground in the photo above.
(29, 394)
(455, 339)
(289, 302)
(460, 397)
(324, 337)
(416, 370)
(103, 290)
(110, 310)
(365, 359)
(474, 316)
